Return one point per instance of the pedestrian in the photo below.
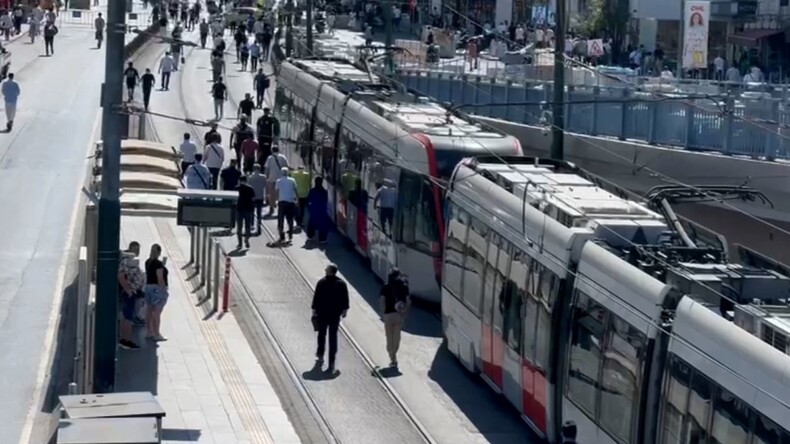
(217, 66)
(188, 149)
(156, 293)
(260, 83)
(148, 81)
(230, 176)
(287, 198)
(212, 135)
(569, 432)
(219, 92)
(258, 183)
(6, 24)
(330, 304)
(302, 179)
(132, 77)
(197, 176)
(50, 31)
(268, 129)
(255, 55)
(241, 132)
(273, 170)
(98, 26)
(214, 158)
(203, 28)
(239, 37)
(249, 152)
(385, 200)
(317, 205)
(131, 282)
(244, 52)
(394, 304)
(246, 107)
(266, 43)
(258, 29)
(166, 67)
(244, 208)
(19, 17)
(11, 94)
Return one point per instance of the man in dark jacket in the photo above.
(330, 303)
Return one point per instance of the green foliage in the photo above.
(606, 18)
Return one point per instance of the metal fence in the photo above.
(87, 18)
(750, 125)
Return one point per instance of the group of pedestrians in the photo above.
(142, 290)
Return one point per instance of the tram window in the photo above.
(474, 265)
(549, 286)
(530, 327)
(542, 335)
(698, 410)
(490, 279)
(458, 221)
(519, 271)
(584, 364)
(675, 401)
(622, 367)
(766, 431)
(730, 419)
(417, 218)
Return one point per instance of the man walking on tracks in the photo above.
(98, 25)
(330, 304)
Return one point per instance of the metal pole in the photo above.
(558, 109)
(106, 324)
(216, 278)
(387, 5)
(309, 25)
(681, 37)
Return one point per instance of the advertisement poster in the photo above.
(695, 36)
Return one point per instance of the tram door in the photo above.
(381, 248)
(491, 349)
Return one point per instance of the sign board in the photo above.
(207, 208)
(696, 19)
(746, 8)
(595, 47)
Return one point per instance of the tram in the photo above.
(359, 133)
(559, 295)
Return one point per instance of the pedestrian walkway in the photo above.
(205, 375)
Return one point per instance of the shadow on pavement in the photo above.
(180, 435)
(138, 370)
(477, 401)
(318, 374)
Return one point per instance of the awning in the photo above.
(751, 38)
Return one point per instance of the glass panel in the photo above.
(766, 431)
(490, 288)
(474, 266)
(698, 410)
(454, 250)
(586, 340)
(519, 269)
(730, 419)
(530, 325)
(503, 262)
(419, 226)
(675, 401)
(622, 369)
(446, 161)
(542, 336)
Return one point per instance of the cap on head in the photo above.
(284, 170)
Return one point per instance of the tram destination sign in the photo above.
(206, 208)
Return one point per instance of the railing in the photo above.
(205, 255)
(754, 124)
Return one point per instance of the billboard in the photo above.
(696, 21)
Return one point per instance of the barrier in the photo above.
(226, 290)
(205, 258)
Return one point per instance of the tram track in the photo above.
(323, 421)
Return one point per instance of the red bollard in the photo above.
(226, 288)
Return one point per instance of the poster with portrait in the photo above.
(695, 35)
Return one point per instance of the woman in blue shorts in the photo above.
(156, 292)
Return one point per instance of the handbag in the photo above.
(314, 320)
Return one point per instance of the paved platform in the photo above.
(273, 287)
(205, 375)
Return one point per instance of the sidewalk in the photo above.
(205, 375)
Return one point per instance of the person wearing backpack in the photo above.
(260, 83)
(394, 304)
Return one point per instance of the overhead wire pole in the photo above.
(309, 25)
(558, 107)
(387, 5)
(105, 330)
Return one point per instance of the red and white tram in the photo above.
(553, 293)
(355, 131)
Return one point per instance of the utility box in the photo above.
(207, 208)
(109, 431)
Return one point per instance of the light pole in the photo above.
(106, 325)
(310, 27)
(558, 107)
